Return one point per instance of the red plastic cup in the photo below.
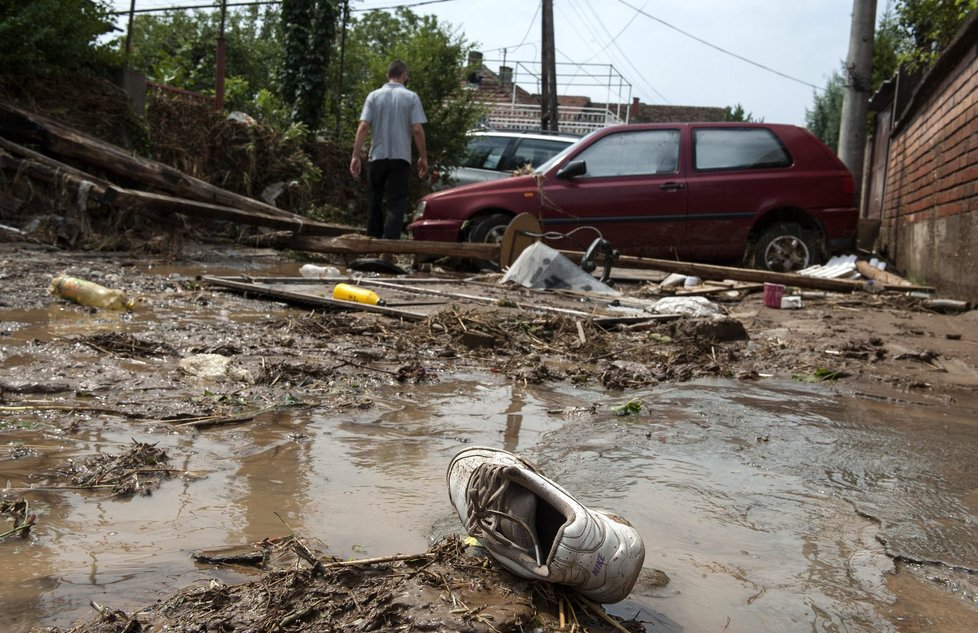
(773, 294)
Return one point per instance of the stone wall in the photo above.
(930, 199)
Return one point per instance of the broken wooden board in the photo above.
(427, 296)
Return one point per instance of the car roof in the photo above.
(561, 136)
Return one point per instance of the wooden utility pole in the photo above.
(855, 100)
(548, 78)
(219, 74)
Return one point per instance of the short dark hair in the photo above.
(396, 68)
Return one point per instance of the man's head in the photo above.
(397, 71)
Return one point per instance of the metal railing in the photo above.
(572, 120)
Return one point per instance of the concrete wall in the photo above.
(930, 199)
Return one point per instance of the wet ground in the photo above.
(772, 504)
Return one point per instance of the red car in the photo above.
(773, 196)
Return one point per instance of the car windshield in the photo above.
(563, 153)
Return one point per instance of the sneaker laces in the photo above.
(486, 496)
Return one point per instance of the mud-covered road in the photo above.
(817, 475)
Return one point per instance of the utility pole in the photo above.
(855, 100)
(548, 78)
(219, 75)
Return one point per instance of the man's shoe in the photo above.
(537, 530)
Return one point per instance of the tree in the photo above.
(308, 31)
(825, 117)
(927, 26)
(44, 37)
(737, 113)
(180, 48)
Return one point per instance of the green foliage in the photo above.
(435, 56)
(308, 31)
(927, 26)
(632, 407)
(825, 117)
(737, 113)
(45, 37)
(180, 49)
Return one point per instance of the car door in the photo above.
(630, 190)
(736, 173)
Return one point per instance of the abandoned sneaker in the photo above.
(537, 530)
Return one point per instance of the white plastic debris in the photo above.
(540, 266)
(690, 306)
(214, 367)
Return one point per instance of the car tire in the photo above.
(786, 247)
(489, 229)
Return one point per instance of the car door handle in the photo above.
(672, 186)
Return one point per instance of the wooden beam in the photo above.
(369, 245)
(712, 271)
(311, 300)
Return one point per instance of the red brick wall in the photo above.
(930, 200)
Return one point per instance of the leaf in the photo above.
(632, 407)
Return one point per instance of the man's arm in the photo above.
(417, 130)
(362, 130)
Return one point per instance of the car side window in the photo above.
(535, 151)
(485, 152)
(738, 148)
(636, 153)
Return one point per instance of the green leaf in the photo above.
(632, 407)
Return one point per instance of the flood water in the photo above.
(771, 506)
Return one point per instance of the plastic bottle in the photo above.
(312, 271)
(346, 292)
(89, 293)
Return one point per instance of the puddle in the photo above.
(766, 504)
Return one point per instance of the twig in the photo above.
(599, 611)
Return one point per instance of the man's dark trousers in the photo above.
(388, 178)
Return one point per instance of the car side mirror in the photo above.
(573, 169)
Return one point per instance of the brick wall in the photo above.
(930, 198)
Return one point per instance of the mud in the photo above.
(817, 474)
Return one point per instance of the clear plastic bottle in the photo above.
(347, 292)
(89, 293)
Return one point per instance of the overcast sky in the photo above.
(770, 56)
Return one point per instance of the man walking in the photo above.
(393, 115)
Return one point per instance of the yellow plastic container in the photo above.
(347, 292)
(89, 293)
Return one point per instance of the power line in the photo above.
(620, 54)
(720, 48)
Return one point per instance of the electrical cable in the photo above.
(720, 48)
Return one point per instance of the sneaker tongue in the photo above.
(520, 503)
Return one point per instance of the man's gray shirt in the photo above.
(391, 111)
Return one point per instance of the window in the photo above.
(633, 154)
(485, 152)
(738, 148)
(535, 151)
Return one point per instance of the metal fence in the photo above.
(572, 120)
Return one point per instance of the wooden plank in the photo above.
(474, 298)
(306, 299)
(369, 245)
(882, 276)
(712, 271)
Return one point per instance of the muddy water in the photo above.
(771, 506)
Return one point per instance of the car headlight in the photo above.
(419, 210)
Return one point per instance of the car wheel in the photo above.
(489, 229)
(786, 248)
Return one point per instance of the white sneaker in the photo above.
(537, 530)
